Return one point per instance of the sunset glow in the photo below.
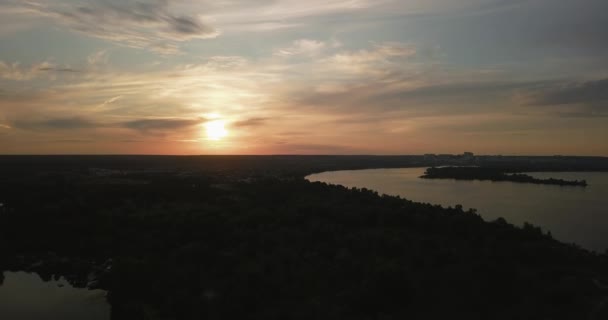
(216, 129)
(315, 77)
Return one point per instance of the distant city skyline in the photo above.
(304, 77)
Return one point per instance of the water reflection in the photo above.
(25, 296)
(572, 214)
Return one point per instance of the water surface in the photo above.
(572, 214)
(24, 296)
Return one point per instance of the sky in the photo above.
(304, 77)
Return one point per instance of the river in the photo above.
(572, 214)
(25, 296)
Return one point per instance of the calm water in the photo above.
(572, 214)
(24, 296)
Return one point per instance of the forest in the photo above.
(493, 174)
(174, 239)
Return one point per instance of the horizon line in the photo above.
(283, 155)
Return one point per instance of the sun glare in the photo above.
(216, 129)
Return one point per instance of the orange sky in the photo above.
(314, 77)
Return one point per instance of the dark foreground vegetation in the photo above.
(231, 239)
(492, 174)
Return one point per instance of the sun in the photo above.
(216, 129)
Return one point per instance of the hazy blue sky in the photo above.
(315, 76)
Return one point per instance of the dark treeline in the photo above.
(493, 174)
(283, 165)
(196, 244)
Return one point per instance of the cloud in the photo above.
(382, 58)
(274, 13)
(98, 58)
(225, 62)
(73, 123)
(17, 72)
(455, 92)
(568, 99)
(251, 122)
(305, 47)
(69, 123)
(379, 88)
(109, 101)
(161, 124)
(70, 141)
(380, 52)
(380, 94)
(591, 93)
(146, 24)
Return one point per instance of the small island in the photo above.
(493, 174)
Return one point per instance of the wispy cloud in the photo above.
(146, 24)
(244, 15)
(17, 72)
(70, 123)
(305, 47)
(109, 101)
(592, 93)
(380, 52)
(161, 124)
(251, 122)
(98, 58)
(381, 93)
(145, 125)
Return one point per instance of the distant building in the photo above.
(467, 158)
